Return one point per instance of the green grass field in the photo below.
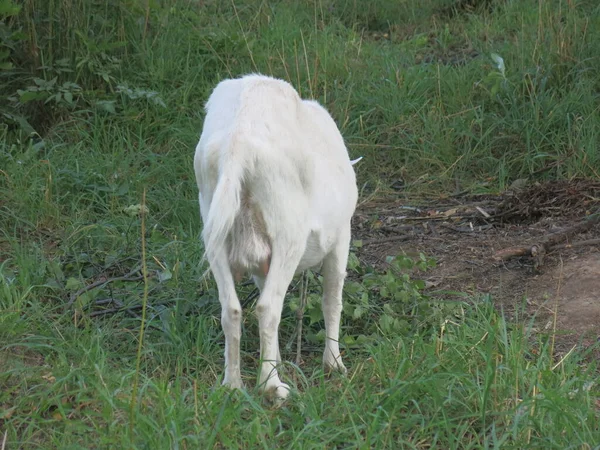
(102, 104)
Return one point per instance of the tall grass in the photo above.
(101, 101)
(412, 86)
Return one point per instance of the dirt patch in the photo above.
(464, 233)
(572, 288)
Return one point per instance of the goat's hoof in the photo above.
(282, 391)
(277, 393)
(234, 384)
(335, 366)
(280, 395)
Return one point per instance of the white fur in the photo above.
(277, 192)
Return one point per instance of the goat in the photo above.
(277, 191)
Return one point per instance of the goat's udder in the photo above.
(263, 270)
(264, 267)
(238, 275)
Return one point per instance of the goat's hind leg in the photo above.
(268, 309)
(260, 284)
(334, 273)
(231, 319)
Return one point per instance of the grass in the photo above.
(479, 383)
(415, 91)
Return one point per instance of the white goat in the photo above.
(277, 192)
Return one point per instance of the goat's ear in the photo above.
(354, 161)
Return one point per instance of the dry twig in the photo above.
(104, 282)
(538, 250)
(404, 237)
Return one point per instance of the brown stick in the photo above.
(539, 250)
(104, 282)
(127, 309)
(512, 252)
(589, 243)
(403, 237)
(120, 308)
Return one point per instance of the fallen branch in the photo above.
(404, 237)
(539, 250)
(587, 243)
(120, 308)
(104, 282)
(129, 309)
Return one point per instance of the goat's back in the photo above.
(286, 161)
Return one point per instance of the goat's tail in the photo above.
(225, 206)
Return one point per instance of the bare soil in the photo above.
(463, 233)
